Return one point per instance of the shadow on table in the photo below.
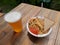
(38, 40)
(11, 38)
(15, 37)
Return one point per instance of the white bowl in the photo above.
(40, 35)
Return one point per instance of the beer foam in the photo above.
(12, 17)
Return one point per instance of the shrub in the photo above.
(7, 5)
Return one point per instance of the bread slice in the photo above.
(47, 24)
(39, 23)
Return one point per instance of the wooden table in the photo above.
(8, 37)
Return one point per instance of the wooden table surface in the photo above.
(8, 37)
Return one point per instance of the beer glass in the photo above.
(14, 19)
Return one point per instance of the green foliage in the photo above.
(55, 4)
(7, 5)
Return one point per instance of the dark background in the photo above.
(7, 5)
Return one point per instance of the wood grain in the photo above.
(56, 26)
(8, 37)
(34, 11)
(50, 40)
(21, 7)
(24, 20)
(44, 12)
(58, 38)
(25, 8)
(57, 42)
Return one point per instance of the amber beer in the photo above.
(14, 19)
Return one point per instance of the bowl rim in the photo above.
(42, 35)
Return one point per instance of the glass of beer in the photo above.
(14, 19)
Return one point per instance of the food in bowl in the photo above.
(39, 26)
(36, 26)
